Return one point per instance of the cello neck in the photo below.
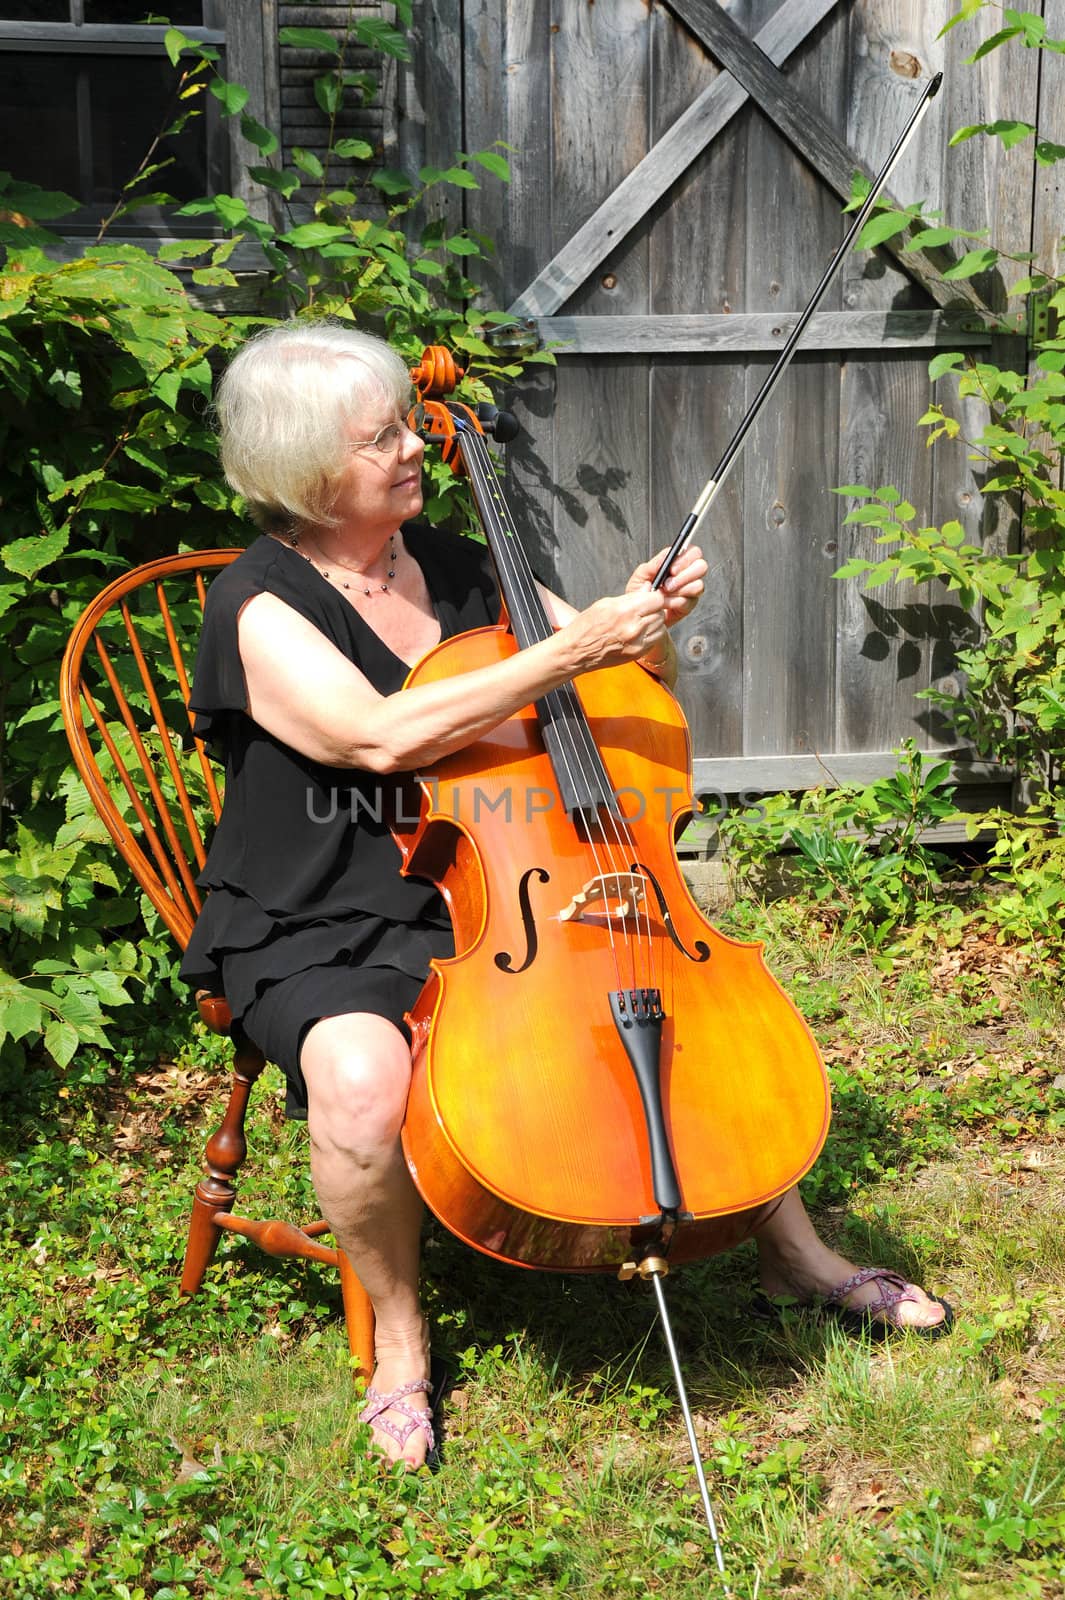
(583, 781)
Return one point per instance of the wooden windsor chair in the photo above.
(124, 690)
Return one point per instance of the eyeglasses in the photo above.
(386, 439)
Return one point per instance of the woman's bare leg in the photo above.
(357, 1071)
(793, 1260)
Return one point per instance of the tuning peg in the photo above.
(502, 425)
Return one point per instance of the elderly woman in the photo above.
(318, 942)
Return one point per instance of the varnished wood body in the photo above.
(524, 1131)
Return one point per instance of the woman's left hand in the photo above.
(681, 589)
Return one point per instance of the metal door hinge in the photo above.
(994, 322)
(1042, 318)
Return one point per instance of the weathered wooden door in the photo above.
(677, 174)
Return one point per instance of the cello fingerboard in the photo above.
(583, 781)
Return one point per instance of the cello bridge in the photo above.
(614, 895)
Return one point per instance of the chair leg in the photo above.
(226, 1150)
(358, 1314)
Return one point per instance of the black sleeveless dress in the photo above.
(306, 914)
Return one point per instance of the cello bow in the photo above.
(713, 485)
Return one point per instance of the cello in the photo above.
(602, 1081)
(599, 1074)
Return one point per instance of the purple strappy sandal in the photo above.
(395, 1400)
(877, 1320)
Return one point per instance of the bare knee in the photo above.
(357, 1071)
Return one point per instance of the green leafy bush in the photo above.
(1011, 701)
(108, 458)
(858, 849)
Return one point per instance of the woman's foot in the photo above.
(401, 1431)
(793, 1260)
(869, 1296)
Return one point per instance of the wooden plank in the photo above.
(990, 187)
(250, 62)
(696, 266)
(791, 456)
(672, 154)
(810, 133)
(601, 451)
(114, 38)
(749, 331)
(1050, 181)
(321, 16)
(507, 71)
(584, 460)
(602, 56)
(887, 636)
(889, 45)
(490, 93)
(769, 774)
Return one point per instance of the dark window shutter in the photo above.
(303, 122)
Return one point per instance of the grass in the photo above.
(160, 1448)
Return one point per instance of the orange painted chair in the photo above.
(124, 690)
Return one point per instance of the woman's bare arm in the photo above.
(304, 691)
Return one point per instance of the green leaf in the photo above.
(389, 181)
(308, 162)
(185, 249)
(262, 138)
(354, 149)
(228, 208)
(28, 556)
(128, 496)
(215, 277)
(945, 362)
(64, 385)
(285, 183)
(21, 1014)
(1009, 131)
(460, 246)
(928, 238)
(972, 262)
(1047, 153)
(493, 163)
(329, 93)
(853, 569)
(969, 8)
(233, 97)
(377, 34)
(853, 489)
(43, 205)
(61, 1041)
(310, 235)
(310, 39)
(147, 459)
(885, 225)
(1002, 37)
(461, 178)
(174, 42)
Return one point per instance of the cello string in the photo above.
(640, 946)
(621, 847)
(521, 592)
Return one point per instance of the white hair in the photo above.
(283, 404)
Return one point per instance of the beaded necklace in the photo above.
(383, 588)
